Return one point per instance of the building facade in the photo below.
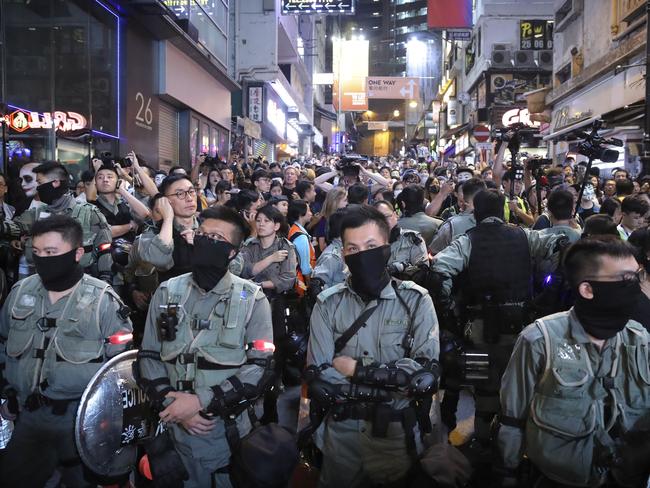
(82, 78)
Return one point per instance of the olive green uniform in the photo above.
(97, 237)
(564, 403)
(50, 352)
(282, 275)
(422, 223)
(330, 267)
(408, 249)
(213, 335)
(352, 456)
(450, 229)
(154, 251)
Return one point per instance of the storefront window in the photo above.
(223, 143)
(205, 138)
(61, 74)
(194, 139)
(214, 141)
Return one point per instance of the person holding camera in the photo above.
(350, 171)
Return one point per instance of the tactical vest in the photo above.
(82, 213)
(499, 264)
(568, 426)
(122, 217)
(182, 256)
(207, 350)
(58, 356)
(400, 249)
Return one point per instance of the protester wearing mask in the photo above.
(578, 380)
(196, 370)
(57, 328)
(53, 190)
(360, 329)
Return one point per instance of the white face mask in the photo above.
(464, 176)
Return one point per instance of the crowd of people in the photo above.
(376, 283)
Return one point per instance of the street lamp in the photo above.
(413, 104)
(395, 113)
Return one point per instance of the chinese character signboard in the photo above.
(255, 103)
(535, 34)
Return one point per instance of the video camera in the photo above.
(592, 146)
(350, 165)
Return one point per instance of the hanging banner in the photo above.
(350, 63)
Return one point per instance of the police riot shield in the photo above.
(114, 415)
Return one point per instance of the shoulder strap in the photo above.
(295, 235)
(340, 343)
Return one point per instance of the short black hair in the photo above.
(271, 213)
(297, 209)
(245, 198)
(357, 194)
(610, 206)
(412, 196)
(334, 224)
(259, 173)
(225, 214)
(222, 186)
(303, 187)
(52, 169)
(471, 187)
(635, 204)
(640, 239)
(583, 258)
(560, 204)
(358, 215)
(175, 168)
(599, 225)
(170, 180)
(621, 170)
(489, 203)
(69, 228)
(624, 187)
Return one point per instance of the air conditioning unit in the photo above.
(497, 82)
(524, 59)
(544, 59)
(501, 58)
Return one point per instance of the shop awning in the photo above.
(570, 128)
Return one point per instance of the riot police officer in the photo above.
(330, 266)
(372, 362)
(53, 185)
(495, 263)
(462, 222)
(407, 248)
(56, 329)
(206, 352)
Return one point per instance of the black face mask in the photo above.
(58, 273)
(611, 307)
(368, 274)
(210, 261)
(48, 194)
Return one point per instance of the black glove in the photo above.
(167, 468)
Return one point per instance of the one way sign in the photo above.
(393, 88)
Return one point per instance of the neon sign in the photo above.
(22, 120)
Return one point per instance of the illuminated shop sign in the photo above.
(276, 117)
(22, 120)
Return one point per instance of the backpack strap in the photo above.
(340, 343)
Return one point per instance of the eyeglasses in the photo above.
(183, 194)
(212, 236)
(637, 276)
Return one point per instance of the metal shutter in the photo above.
(167, 136)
